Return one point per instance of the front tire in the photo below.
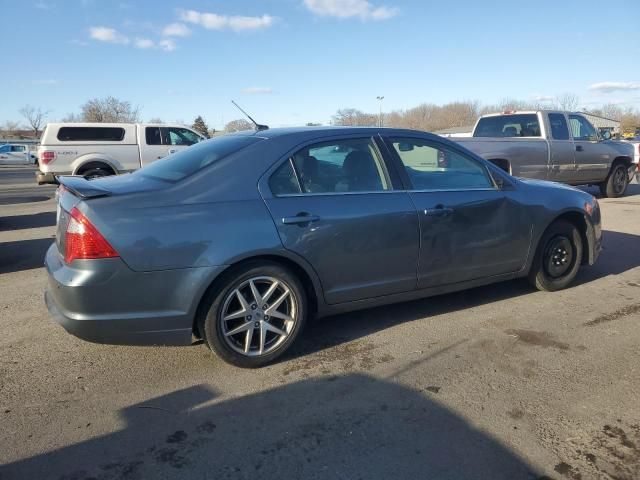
(557, 258)
(255, 315)
(616, 183)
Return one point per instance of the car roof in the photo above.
(319, 132)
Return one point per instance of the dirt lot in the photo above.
(496, 382)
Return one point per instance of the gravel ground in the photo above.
(495, 382)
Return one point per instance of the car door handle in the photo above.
(300, 219)
(439, 211)
(172, 150)
(579, 148)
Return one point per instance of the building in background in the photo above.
(604, 124)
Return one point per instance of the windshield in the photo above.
(186, 162)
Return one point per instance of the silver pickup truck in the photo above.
(552, 145)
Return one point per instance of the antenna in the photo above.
(259, 127)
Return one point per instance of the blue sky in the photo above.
(289, 62)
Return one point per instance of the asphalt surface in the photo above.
(495, 382)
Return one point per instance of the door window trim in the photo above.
(434, 144)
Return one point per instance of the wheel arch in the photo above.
(85, 163)
(298, 267)
(585, 228)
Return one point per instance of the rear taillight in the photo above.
(47, 157)
(84, 241)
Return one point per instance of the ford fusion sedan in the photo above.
(240, 239)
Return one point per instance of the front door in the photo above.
(562, 167)
(469, 228)
(162, 141)
(592, 156)
(334, 204)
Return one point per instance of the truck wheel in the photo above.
(94, 173)
(616, 183)
(558, 257)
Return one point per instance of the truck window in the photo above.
(559, 128)
(152, 136)
(581, 129)
(87, 134)
(179, 136)
(519, 125)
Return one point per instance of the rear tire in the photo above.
(264, 303)
(616, 183)
(557, 258)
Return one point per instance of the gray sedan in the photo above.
(239, 239)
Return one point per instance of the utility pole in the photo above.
(380, 98)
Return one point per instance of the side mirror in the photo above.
(606, 135)
(405, 147)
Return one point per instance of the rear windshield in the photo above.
(85, 134)
(520, 125)
(188, 161)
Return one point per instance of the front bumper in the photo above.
(104, 301)
(46, 178)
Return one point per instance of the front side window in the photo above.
(434, 167)
(559, 128)
(581, 129)
(518, 125)
(88, 134)
(179, 136)
(340, 166)
(18, 148)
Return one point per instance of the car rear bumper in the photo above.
(104, 301)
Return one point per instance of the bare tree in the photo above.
(568, 101)
(35, 117)
(353, 117)
(109, 109)
(238, 125)
(72, 118)
(155, 120)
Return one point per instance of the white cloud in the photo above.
(109, 35)
(176, 30)
(608, 87)
(258, 90)
(167, 45)
(143, 43)
(362, 9)
(237, 23)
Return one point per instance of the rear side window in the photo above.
(284, 181)
(87, 134)
(559, 128)
(520, 125)
(188, 161)
(152, 136)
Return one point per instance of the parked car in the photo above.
(635, 141)
(101, 149)
(550, 145)
(299, 223)
(11, 153)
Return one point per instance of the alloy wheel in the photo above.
(258, 315)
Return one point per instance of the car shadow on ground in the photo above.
(620, 254)
(23, 254)
(346, 427)
(21, 222)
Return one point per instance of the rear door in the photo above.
(336, 204)
(151, 146)
(562, 164)
(592, 157)
(469, 228)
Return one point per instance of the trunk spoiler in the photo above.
(82, 187)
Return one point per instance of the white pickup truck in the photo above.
(100, 149)
(552, 145)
